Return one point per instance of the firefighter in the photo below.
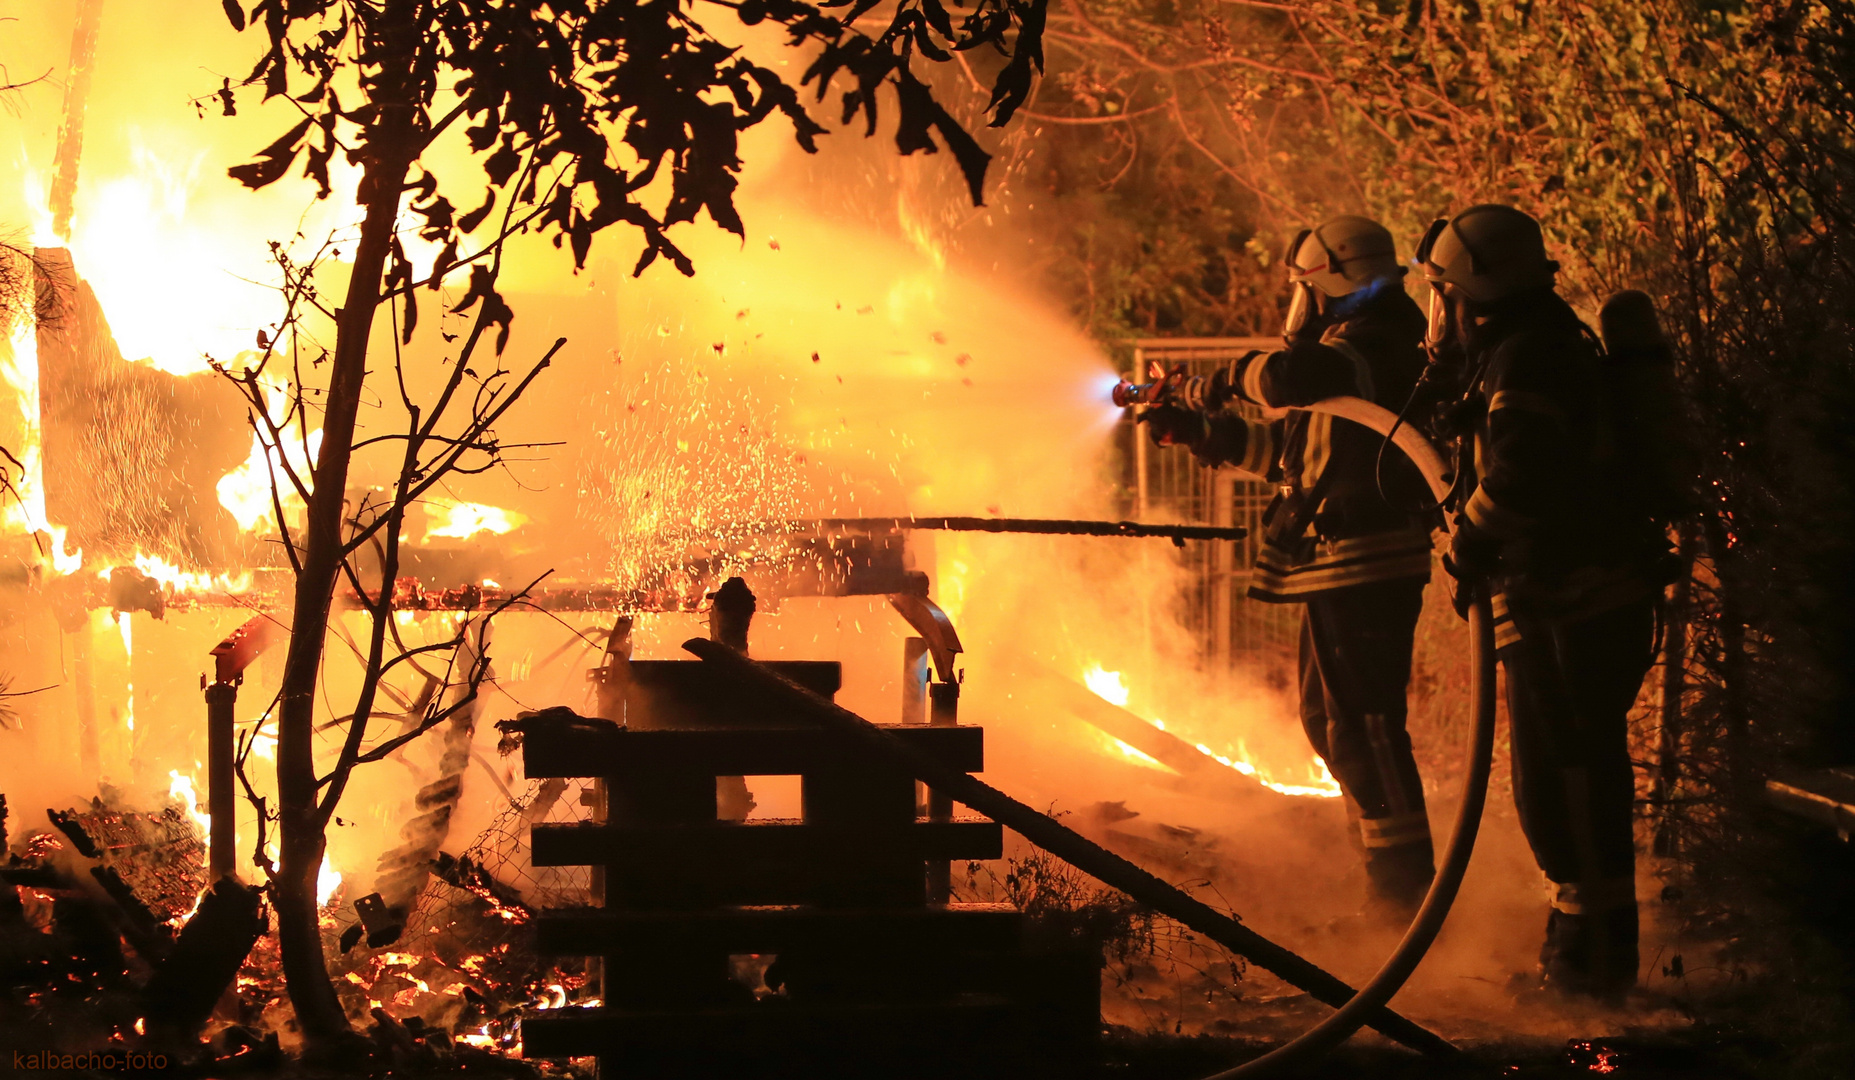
(1569, 552)
(1342, 537)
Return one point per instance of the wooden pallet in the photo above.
(869, 977)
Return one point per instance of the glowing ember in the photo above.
(462, 520)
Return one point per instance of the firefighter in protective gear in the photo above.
(1567, 554)
(1343, 536)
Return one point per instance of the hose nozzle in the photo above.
(1126, 393)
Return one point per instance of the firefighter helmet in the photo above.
(1337, 257)
(1342, 255)
(1486, 253)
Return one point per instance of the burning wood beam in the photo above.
(76, 102)
(184, 989)
(1114, 720)
(1178, 534)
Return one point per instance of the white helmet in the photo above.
(1486, 253)
(1338, 257)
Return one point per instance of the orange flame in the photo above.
(246, 492)
(1110, 687)
(462, 520)
(327, 881)
(180, 789)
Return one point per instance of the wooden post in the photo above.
(221, 795)
(945, 713)
(914, 680)
(731, 616)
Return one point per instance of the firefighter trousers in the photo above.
(1570, 687)
(1355, 670)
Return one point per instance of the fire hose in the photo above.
(1422, 932)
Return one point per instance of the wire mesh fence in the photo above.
(1170, 485)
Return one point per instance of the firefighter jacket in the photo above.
(1572, 542)
(1331, 527)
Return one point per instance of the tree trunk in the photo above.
(390, 145)
(301, 840)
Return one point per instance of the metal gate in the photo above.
(1169, 485)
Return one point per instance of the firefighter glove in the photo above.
(1473, 554)
(1170, 425)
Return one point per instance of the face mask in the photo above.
(1302, 309)
(1303, 312)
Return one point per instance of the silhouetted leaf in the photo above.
(973, 160)
(273, 161)
(469, 222)
(1013, 84)
(235, 14)
(502, 164)
(937, 16)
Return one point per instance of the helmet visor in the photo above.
(1428, 243)
(1300, 308)
(1293, 249)
(1442, 318)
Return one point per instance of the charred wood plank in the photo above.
(769, 862)
(42, 876)
(769, 841)
(776, 929)
(185, 987)
(67, 822)
(559, 749)
(150, 936)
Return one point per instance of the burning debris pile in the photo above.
(106, 924)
